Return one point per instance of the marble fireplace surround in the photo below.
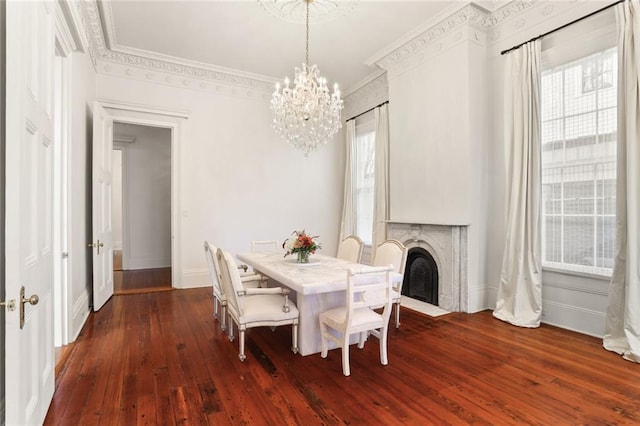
(448, 246)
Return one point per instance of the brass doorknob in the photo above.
(97, 245)
(33, 300)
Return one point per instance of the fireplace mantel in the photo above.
(447, 244)
(418, 222)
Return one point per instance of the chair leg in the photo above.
(383, 345)
(216, 302)
(323, 337)
(294, 338)
(345, 355)
(223, 316)
(241, 354)
(230, 328)
(363, 339)
(398, 315)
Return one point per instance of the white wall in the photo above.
(80, 272)
(237, 180)
(116, 198)
(147, 196)
(429, 153)
(439, 138)
(576, 302)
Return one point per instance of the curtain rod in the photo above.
(363, 113)
(562, 27)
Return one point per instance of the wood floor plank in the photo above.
(161, 358)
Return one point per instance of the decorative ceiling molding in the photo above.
(109, 26)
(103, 48)
(163, 63)
(319, 10)
(467, 15)
(372, 93)
(471, 14)
(508, 11)
(181, 81)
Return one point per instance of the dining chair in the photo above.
(393, 252)
(254, 307)
(350, 249)
(365, 290)
(264, 246)
(219, 299)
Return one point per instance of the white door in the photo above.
(102, 186)
(29, 359)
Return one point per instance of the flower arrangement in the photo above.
(301, 244)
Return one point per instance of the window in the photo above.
(579, 124)
(364, 183)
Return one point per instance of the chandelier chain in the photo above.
(305, 113)
(307, 45)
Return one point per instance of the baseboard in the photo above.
(481, 298)
(79, 315)
(194, 278)
(581, 320)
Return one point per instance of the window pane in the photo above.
(578, 240)
(579, 124)
(553, 237)
(606, 242)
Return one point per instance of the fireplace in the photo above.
(421, 276)
(440, 254)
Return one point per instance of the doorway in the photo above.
(105, 114)
(141, 208)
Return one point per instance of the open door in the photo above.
(29, 355)
(102, 243)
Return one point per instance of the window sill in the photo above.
(594, 275)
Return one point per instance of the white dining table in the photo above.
(317, 286)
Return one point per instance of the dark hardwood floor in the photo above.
(141, 281)
(160, 358)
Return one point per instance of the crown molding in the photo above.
(469, 14)
(108, 27)
(102, 46)
(165, 64)
(170, 79)
(64, 36)
(416, 32)
(362, 83)
(508, 11)
(369, 94)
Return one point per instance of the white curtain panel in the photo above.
(381, 185)
(622, 328)
(348, 225)
(520, 294)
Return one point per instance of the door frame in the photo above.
(174, 120)
(62, 203)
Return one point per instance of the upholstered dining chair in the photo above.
(393, 252)
(254, 307)
(350, 249)
(365, 291)
(219, 299)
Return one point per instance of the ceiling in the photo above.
(243, 35)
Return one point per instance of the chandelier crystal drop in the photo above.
(305, 113)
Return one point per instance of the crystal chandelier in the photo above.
(305, 114)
